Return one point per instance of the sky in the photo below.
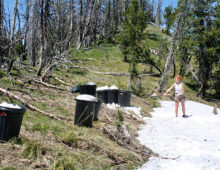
(9, 4)
(169, 2)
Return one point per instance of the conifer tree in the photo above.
(131, 40)
(202, 34)
(168, 18)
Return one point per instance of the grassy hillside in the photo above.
(53, 144)
(46, 143)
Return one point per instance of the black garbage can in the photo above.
(88, 88)
(124, 98)
(102, 94)
(85, 110)
(10, 121)
(97, 107)
(112, 95)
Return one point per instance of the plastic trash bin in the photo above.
(88, 88)
(10, 121)
(124, 98)
(85, 110)
(112, 95)
(102, 94)
(97, 107)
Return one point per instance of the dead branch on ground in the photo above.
(47, 85)
(29, 106)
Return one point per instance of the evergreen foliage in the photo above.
(132, 39)
(169, 19)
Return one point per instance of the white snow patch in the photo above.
(113, 87)
(102, 88)
(195, 139)
(90, 83)
(154, 95)
(136, 110)
(86, 97)
(113, 106)
(9, 105)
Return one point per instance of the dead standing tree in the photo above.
(44, 19)
(32, 34)
(1, 28)
(10, 59)
(88, 19)
(27, 16)
(170, 59)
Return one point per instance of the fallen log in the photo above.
(121, 74)
(47, 85)
(111, 74)
(60, 80)
(29, 106)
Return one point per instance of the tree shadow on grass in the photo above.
(154, 37)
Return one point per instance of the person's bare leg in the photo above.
(176, 108)
(183, 107)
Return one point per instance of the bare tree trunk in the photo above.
(81, 20)
(90, 15)
(11, 61)
(204, 70)
(170, 58)
(107, 18)
(14, 20)
(44, 43)
(119, 11)
(1, 28)
(24, 56)
(72, 19)
(41, 39)
(33, 35)
(174, 68)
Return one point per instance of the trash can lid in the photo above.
(86, 97)
(10, 105)
(90, 83)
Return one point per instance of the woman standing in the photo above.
(179, 94)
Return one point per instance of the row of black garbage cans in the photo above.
(87, 108)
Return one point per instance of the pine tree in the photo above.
(168, 18)
(131, 40)
(200, 40)
(158, 13)
(203, 40)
